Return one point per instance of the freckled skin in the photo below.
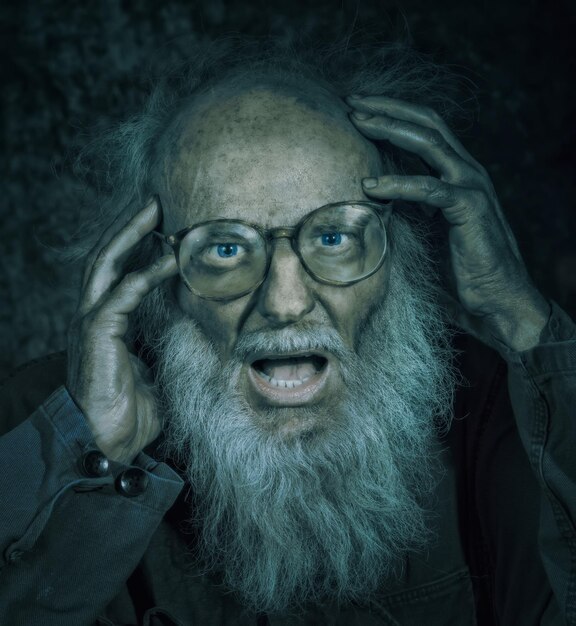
(269, 159)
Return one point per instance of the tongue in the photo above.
(289, 369)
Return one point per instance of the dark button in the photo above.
(15, 556)
(132, 482)
(95, 464)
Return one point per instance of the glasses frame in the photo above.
(269, 235)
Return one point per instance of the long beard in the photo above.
(329, 516)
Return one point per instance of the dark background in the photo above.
(67, 66)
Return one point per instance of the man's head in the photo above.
(271, 157)
(316, 492)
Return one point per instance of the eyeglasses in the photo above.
(338, 244)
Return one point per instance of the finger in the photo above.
(117, 224)
(427, 143)
(457, 203)
(130, 292)
(107, 266)
(416, 113)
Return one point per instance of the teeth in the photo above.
(289, 384)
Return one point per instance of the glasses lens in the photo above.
(222, 259)
(343, 243)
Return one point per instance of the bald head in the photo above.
(262, 155)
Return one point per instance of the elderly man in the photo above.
(268, 439)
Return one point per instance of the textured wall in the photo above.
(67, 65)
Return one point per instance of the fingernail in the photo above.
(355, 96)
(360, 115)
(370, 183)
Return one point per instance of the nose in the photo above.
(285, 297)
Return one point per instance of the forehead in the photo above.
(261, 156)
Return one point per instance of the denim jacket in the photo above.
(75, 550)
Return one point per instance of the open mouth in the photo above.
(289, 371)
(289, 378)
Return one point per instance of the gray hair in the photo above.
(118, 166)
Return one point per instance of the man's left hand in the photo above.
(496, 298)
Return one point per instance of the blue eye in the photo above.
(331, 239)
(227, 250)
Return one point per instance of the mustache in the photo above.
(307, 338)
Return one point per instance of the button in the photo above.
(132, 482)
(15, 556)
(95, 464)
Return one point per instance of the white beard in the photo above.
(329, 516)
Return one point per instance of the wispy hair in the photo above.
(118, 165)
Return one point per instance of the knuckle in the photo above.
(133, 281)
(430, 185)
(443, 193)
(434, 138)
(129, 279)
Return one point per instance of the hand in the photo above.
(496, 298)
(111, 386)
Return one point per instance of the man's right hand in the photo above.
(112, 387)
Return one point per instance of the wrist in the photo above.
(520, 328)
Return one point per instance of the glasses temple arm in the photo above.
(168, 240)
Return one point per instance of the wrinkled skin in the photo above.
(109, 384)
(270, 160)
(496, 299)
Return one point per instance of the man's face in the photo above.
(270, 159)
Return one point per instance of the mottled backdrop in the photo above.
(68, 65)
